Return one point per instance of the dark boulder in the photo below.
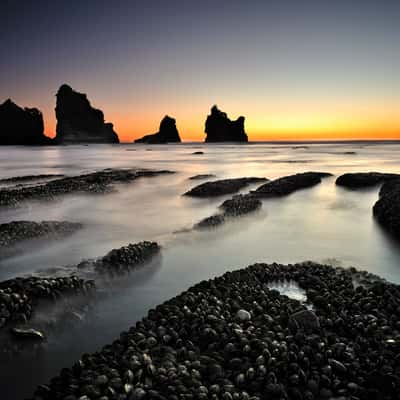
(240, 205)
(78, 121)
(387, 209)
(210, 222)
(166, 134)
(201, 176)
(222, 187)
(289, 184)
(360, 180)
(219, 128)
(21, 126)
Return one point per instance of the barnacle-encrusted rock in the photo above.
(20, 296)
(240, 205)
(222, 187)
(16, 231)
(289, 184)
(96, 182)
(359, 180)
(194, 346)
(127, 258)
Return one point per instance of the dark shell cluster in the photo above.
(359, 180)
(233, 338)
(387, 209)
(222, 187)
(16, 231)
(127, 258)
(289, 184)
(20, 296)
(96, 182)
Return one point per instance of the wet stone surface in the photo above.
(360, 180)
(96, 182)
(232, 338)
(14, 232)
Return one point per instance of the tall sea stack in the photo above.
(219, 128)
(21, 126)
(167, 133)
(78, 121)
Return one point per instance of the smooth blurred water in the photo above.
(325, 223)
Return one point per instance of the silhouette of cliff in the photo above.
(167, 133)
(219, 128)
(78, 121)
(21, 126)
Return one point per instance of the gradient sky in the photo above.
(297, 69)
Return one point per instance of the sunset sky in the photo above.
(295, 69)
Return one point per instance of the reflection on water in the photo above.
(322, 223)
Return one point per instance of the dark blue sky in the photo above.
(291, 67)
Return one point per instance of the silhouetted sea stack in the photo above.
(219, 128)
(21, 126)
(79, 122)
(166, 134)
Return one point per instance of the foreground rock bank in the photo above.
(14, 232)
(96, 182)
(222, 187)
(360, 180)
(233, 338)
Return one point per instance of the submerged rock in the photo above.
(127, 258)
(201, 176)
(166, 134)
(78, 121)
(219, 128)
(195, 346)
(222, 187)
(359, 180)
(17, 231)
(289, 184)
(21, 126)
(387, 209)
(97, 182)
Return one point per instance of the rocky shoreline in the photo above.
(14, 232)
(97, 182)
(234, 338)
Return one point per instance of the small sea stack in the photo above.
(219, 128)
(167, 133)
(78, 121)
(21, 126)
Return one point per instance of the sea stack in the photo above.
(21, 126)
(219, 128)
(78, 121)
(167, 133)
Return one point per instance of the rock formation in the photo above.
(219, 128)
(79, 122)
(167, 133)
(21, 126)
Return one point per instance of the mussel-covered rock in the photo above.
(127, 258)
(360, 180)
(289, 184)
(222, 187)
(231, 338)
(240, 204)
(19, 297)
(16, 231)
(210, 222)
(96, 182)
